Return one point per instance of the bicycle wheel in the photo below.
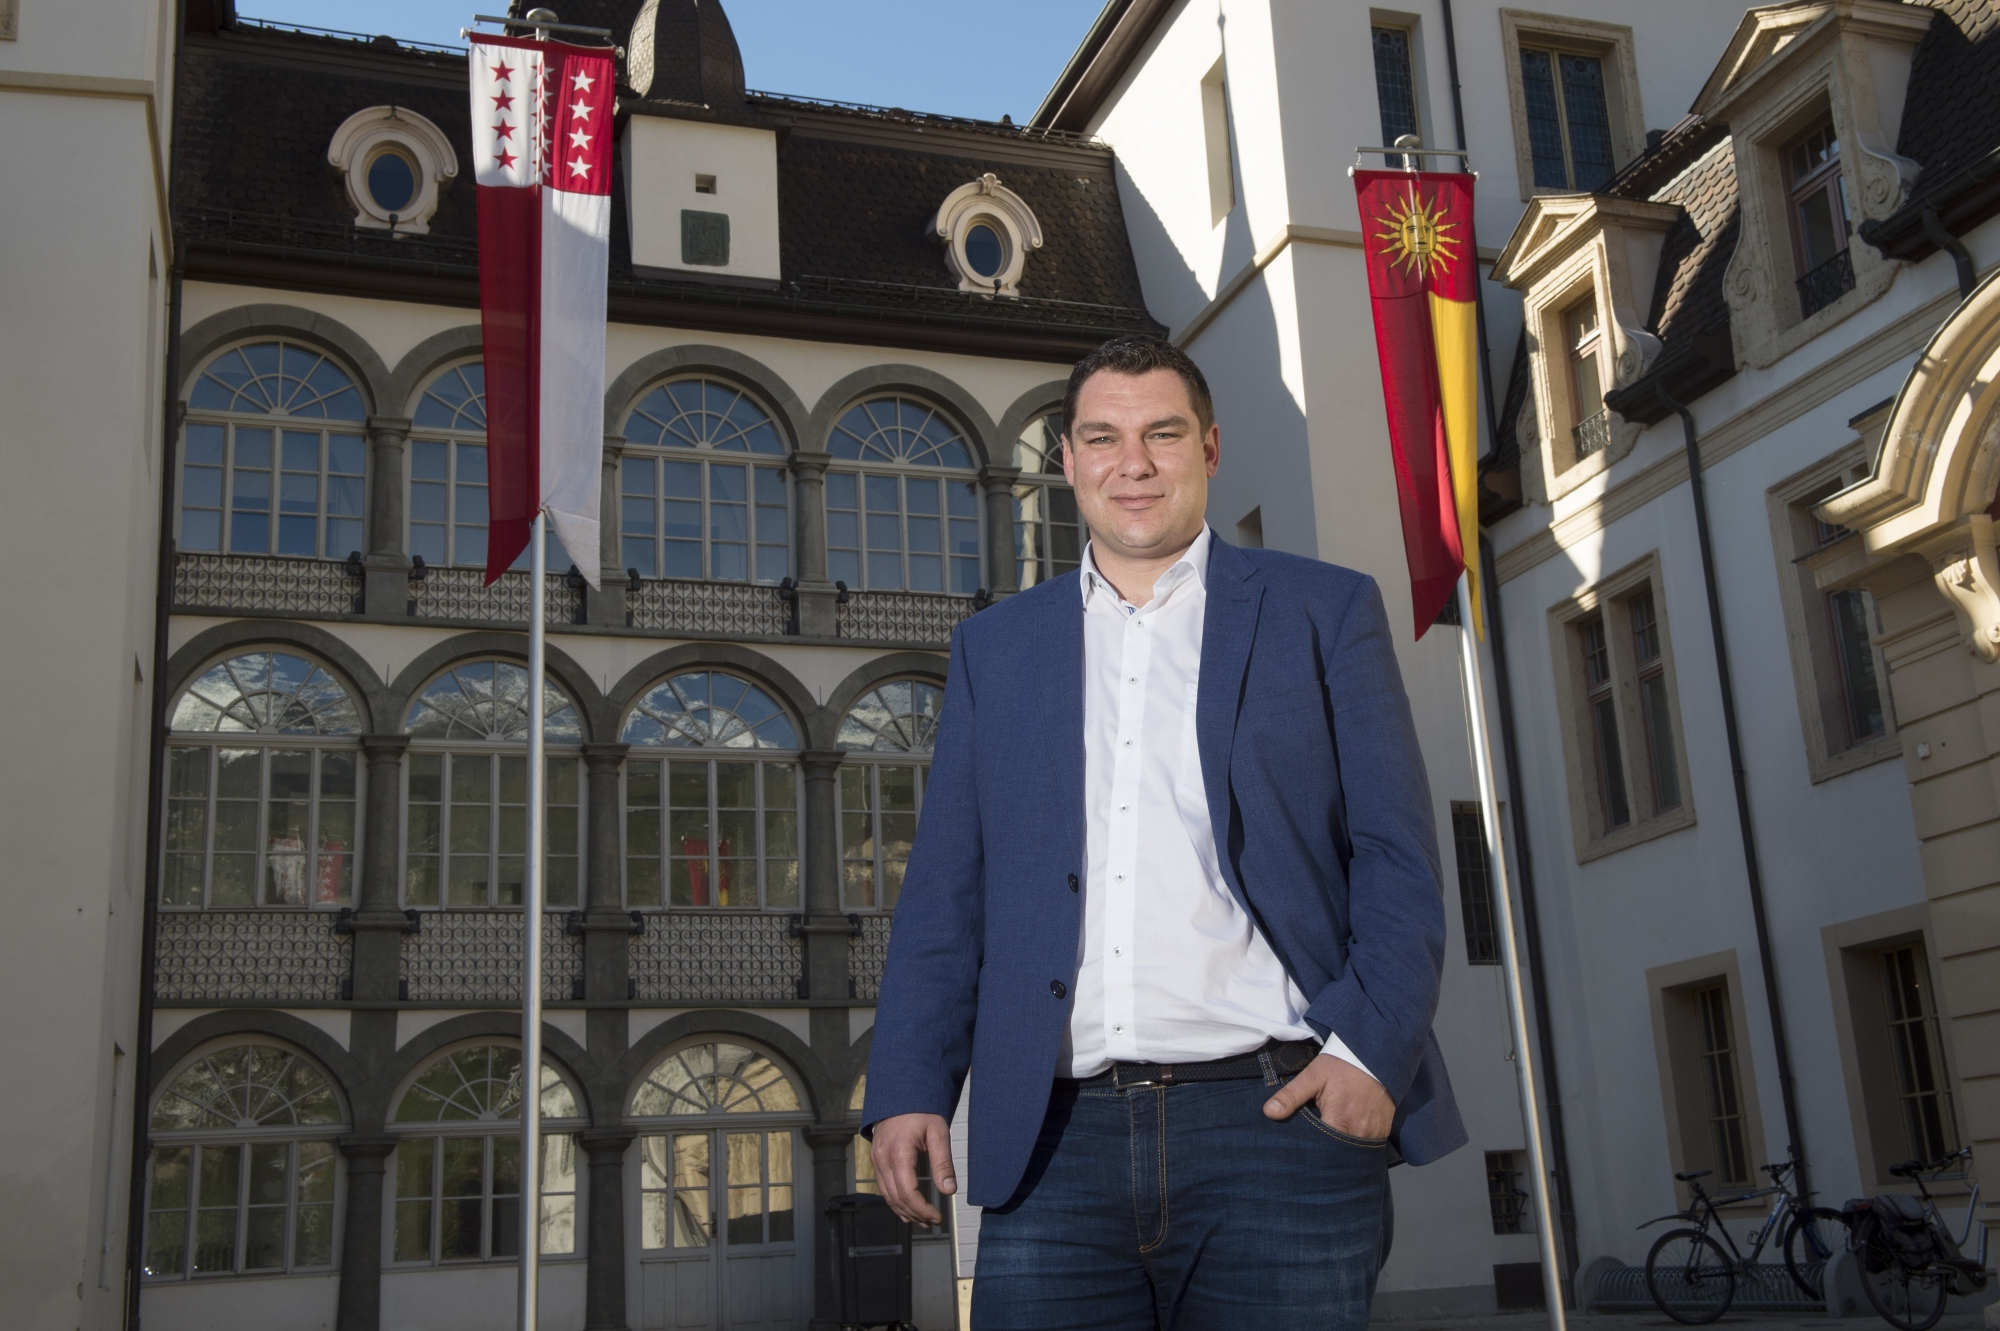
(1908, 1300)
(1806, 1243)
(1690, 1277)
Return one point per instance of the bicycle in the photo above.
(1910, 1264)
(1693, 1279)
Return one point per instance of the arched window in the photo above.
(465, 818)
(906, 515)
(272, 461)
(240, 1180)
(457, 1167)
(888, 735)
(693, 500)
(861, 1163)
(1048, 532)
(447, 502)
(752, 1112)
(717, 824)
(262, 770)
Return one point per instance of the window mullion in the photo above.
(714, 832)
(263, 823)
(242, 1209)
(875, 828)
(757, 803)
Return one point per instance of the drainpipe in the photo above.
(1961, 257)
(1786, 1089)
(1531, 924)
(156, 755)
(1510, 753)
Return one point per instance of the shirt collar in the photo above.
(1194, 561)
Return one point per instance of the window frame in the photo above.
(1593, 782)
(1611, 43)
(864, 766)
(1678, 1047)
(1218, 142)
(489, 1130)
(904, 475)
(1038, 483)
(1475, 884)
(1828, 177)
(1818, 676)
(279, 425)
(242, 1140)
(1409, 27)
(755, 540)
(1581, 351)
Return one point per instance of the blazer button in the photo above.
(1072, 882)
(1056, 988)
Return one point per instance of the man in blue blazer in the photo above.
(1174, 906)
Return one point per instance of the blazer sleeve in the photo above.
(1383, 999)
(922, 1038)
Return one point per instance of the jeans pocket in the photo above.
(1311, 1115)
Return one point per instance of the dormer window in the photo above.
(1586, 380)
(987, 231)
(1818, 205)
(393, 162)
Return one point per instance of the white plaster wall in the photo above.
(479, 1298)
(662, 158)
(269, 1303)
(83, 279)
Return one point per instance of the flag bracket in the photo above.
(539, 27)
(1416, 150)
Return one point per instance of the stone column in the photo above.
(378, 922)
(386, 570)
(997, 483)
(828, 1142)
(360, 1307)
(607, 929)
(604, 1281)
(816, 594)
(826, 929)
(606, 605)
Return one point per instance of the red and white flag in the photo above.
(541, 152)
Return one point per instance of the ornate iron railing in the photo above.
(457, 593)
(867, 954)
(265, 582)
(1825, 284)
(708, 607)
(1760, 1287)
(717, 956)
(475, 956)
(1592, 434)
(903, 616)
(277, 956)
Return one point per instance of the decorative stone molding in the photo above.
(986, 201)
(1570, 248)
(1970, 582)
(366, 136)
(1786, 67)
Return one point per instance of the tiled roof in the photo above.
(1687, 295)
(258, 108)
(1951, 116)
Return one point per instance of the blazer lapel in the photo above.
(1230, 623)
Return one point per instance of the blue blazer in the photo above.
(1323, 829)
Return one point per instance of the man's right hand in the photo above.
(897, 1142)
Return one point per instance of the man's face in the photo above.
(1139, 462)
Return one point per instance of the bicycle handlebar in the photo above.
(1910, 1168)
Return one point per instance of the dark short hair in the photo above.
(1137, 354)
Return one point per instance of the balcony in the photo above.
(1825, 284)
(225, 956)
(231, 584)
(733, 608)
(476, 956)
(914, 617)
(1592, 434)
(717, 957)
(460, 593)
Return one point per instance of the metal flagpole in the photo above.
(531, 980)
(1510, 961)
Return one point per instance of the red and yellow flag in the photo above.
(1423, 282)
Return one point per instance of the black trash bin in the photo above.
(871, 1261)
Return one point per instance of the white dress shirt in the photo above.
(1172, 968)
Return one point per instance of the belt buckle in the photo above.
(1166, 1078)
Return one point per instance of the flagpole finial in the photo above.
(1414, 161)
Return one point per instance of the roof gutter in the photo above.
(1106, 52)
(1934, 222)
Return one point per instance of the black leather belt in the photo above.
(1290, 1056)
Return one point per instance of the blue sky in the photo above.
(955, 57)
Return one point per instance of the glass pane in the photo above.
(690, 1179)
(215, 1220)
(1817, 229)
(746, 1187)
(1395, 88)
(166, 1221)
(1545, 144)
(1589, 121)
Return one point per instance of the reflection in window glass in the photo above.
(684, 513)
(895, 523)
(448, 512)
(1569, 120)
(881, 795)
(1048, 531)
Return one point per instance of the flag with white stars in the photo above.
(541, 154)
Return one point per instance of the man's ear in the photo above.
(1211, 448)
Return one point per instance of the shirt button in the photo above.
(1056, 988)
(1118, 1030)
(1123, 807)
(1118, 952)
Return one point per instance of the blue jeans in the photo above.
(1183, 1208)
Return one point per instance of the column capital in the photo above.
(606, 1141)
(614, 446)
(829, 1136)
(821, 758)
(384, 748)
(807, 462)
(604, 758)
(994, 478)
(365, 1152)
(397, 427)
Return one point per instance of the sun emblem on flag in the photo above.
(1418, 235)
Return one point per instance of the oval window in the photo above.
(392, 181)
(983, 250)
